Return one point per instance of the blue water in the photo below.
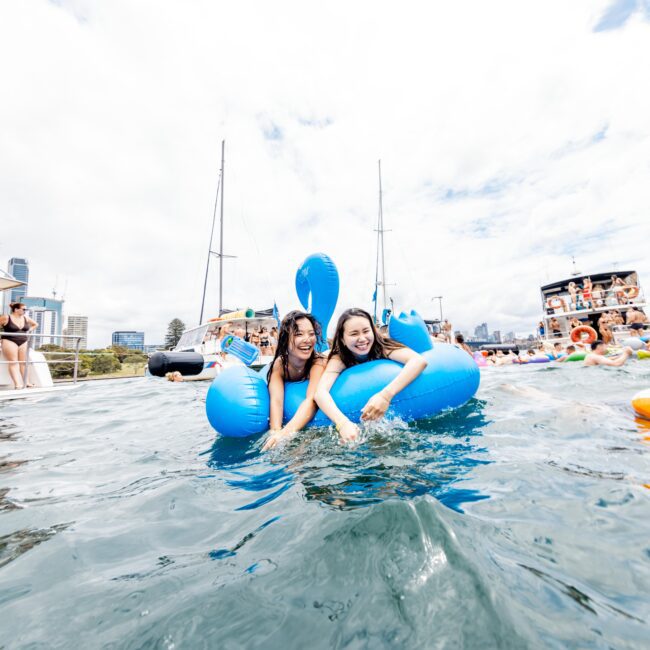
(518, 521)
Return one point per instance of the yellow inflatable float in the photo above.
(641, 403)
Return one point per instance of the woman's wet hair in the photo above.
(288, 329)
(381, 347)
(16, 305)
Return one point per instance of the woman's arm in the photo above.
(347, 429)
(307, 409)
(414, 364)
(3, 320)
(304, 413)
(32, 323)
(276, 394)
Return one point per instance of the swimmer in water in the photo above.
(296, 359)
(174, 376)
(597, 356)
(569, 351)
(356, 341)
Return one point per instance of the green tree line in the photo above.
(103, 361)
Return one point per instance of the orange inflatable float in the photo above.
(641, 403)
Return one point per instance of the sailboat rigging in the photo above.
(380, 266)
(218, 200)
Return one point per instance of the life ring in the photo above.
(577, 332)
(552, 303)
(630, 291)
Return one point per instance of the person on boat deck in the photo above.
(274, 339)
(555, 327)
(587, 295)
(460, 343)
(599, 295)
(617, 317)
(255, 339)
(574, 322)
(636, 320)
(356, 341)
(14, 342)
(540, 328)
(597, 355)
(265, 341)
(617, 288)
(573, 294)
(295, 359)
(446, 330)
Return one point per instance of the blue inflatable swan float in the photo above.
(238, 404)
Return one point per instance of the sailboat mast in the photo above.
(210, 252)
(381, 237)
(223, 155)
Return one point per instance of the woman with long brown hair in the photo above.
(14, 344)
(356, 341)
(295, 359)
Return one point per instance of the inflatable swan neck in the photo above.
(317, 286)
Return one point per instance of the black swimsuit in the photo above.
(18, 339)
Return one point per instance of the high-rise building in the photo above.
(510, 337)
(481, 332)
(129, 339)
(76, 326)
(496, 336)
(48, 313)
(19, 268)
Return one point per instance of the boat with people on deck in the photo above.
(202, 351)
(583, 308)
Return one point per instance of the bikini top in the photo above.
(12, 327)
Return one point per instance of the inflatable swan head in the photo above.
(410, 330)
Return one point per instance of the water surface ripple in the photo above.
(521, 520)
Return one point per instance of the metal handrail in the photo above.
(31, 337)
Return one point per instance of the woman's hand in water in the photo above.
(348, 431)
(276, 437)
(375, 407)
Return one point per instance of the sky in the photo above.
(512, 136)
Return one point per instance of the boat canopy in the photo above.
(8, 281)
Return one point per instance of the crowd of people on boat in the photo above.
(589, 296)
(264, 338)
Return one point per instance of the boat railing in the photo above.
(602, 300)
(31, 362)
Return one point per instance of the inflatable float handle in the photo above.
(244, 351)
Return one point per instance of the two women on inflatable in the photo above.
(364, 375)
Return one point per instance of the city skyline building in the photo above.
(48, 314)
(128, 339)
(481, 332)
(19, 268)
(76, 326)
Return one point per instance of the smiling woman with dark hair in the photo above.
(356, 341)
(14, 344)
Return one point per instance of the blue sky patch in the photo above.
(619, 12)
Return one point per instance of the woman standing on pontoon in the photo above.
(14, 342)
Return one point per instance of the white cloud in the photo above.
(509, 137)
